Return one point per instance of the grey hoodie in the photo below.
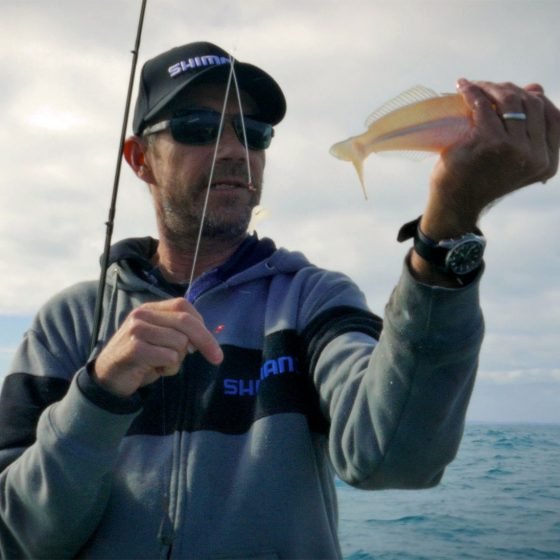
(235, 461)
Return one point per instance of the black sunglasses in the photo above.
(200, 126)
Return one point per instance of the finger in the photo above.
(199, 338)
(543, 127)
(159, 337)
(510, 99)
(534, 139)
(179, 304)
(177, 315)
(552, 120)
(177, 326)
(482, 106)
(151, 345)
(184, 317)
(202, 340)
(535, 89)
(537, 135)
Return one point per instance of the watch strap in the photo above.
(411, 230)
(429, 249)
(408, 230)
(433, 251)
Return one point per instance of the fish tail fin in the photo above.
(349, 150)
(359, 167)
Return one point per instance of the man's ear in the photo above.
(135, 155)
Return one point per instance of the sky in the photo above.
(65, 66)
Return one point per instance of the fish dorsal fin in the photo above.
(412, 95)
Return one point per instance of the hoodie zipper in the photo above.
(172, 499)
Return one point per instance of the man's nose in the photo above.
(230, 145)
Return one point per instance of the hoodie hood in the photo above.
(255, 258)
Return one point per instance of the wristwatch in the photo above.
(459, 257)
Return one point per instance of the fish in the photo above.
(258, 214)
(417, 121)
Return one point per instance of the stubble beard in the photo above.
(180, 216)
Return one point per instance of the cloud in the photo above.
(52, 119)
(522, 376)
(7, 350)
(65, 68)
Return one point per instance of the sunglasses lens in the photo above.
(259, 134)
(200, 127)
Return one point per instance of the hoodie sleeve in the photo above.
(396, 404)
(57, 445)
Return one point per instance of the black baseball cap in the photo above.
(167, 76)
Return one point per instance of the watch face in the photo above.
(465, 257)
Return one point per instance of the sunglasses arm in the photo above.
(158, 127)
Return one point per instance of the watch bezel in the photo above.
(456, 249)
(441, 253)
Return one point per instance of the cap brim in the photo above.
(266, 93)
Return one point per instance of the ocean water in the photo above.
(499, 500)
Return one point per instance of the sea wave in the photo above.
(499, 500)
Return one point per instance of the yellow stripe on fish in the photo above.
(417, 120)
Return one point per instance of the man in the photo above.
(211, 426)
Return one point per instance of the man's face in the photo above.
(182, 172)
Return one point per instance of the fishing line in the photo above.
(112, 208)
(244, 130)
(231, 78)
(166, 530)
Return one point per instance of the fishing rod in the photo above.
(112, 208)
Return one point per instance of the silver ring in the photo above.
(514, 117)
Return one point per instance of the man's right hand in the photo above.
(151, 343)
